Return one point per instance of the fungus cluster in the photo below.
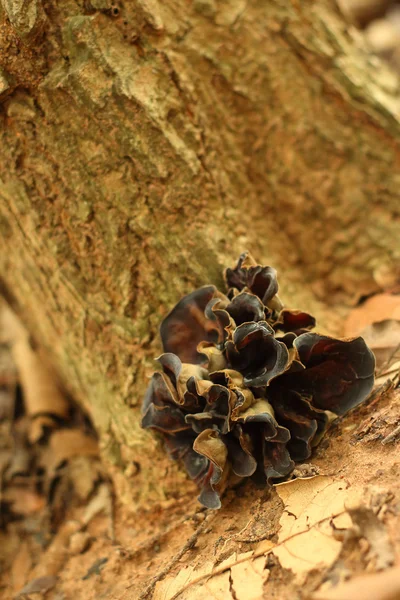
(245, 386)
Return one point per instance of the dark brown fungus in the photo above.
(338, 374)
(245, 386)
(261, 281)
(186, 325)
(294, 320)
(256, 353)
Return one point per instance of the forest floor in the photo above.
(65, 536)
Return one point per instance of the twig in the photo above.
(377, 394)
(386, 365)
(390, 372)
(225, 567)
(157, 537)
(190, 543)
(391, 437)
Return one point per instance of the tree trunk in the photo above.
(146, 144)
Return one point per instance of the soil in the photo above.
(119, 553)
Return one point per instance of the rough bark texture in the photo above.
(146, 143)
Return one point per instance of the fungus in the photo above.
(246, 387)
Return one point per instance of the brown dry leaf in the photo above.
(38, 426)
(384, 340)
(240, 577)
(84, 472)
(374, 531)
(21, 458)
(65, 444)
(21, 566)
(248, 579)
(102, 502)
(306, 539)
(38, 585)
(53, 559)
(172, 586)
(380, 586)
(6, 403)
(23, 501)
(218, 587)
(378, 322)
(380, 307)
(41, 392)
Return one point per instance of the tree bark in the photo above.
(146, 144)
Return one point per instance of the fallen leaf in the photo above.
(41, 391)
(38, 426)
(218, 588)
(83, 473)
(21, 458)
(38, 585)
(383, 338)
(379, 586)
(377, 320)
(53, 559)
(377, 308)
(23, 501)
(246, 573)
(102, 502)
(306, 539)
(79, 542)
(374, 531)
(65, 444)
(96, 568)
(248, 579)
(21, 566)
(6, 403)
(172, 586)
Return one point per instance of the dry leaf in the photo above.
(23, 501)
(383, 338)
(65, 444)
(6, 403)
(377, 320)
(21, 566)
(53, 559)
(306, 539)
(21, 456)
(79, 542)
(218, 588)
(377, 308)
(84, 472)
(38, 585)
(248, 579)
(170, 587)
(41, 392)
(38, 425)
(245, 572)
(102, 502)
(374, 531)
(380, 586)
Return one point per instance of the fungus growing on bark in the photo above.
(245, 385)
